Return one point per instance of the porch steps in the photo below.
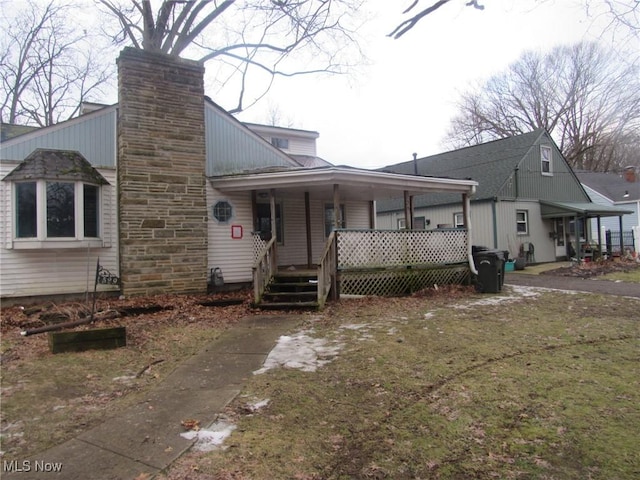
(291, 290)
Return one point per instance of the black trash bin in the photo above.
(490, 267)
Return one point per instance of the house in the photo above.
(616, 190)
(166, 189)
(529, 201)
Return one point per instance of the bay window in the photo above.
(56, 210)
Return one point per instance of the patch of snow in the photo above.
(254, 407)
(300, 351)
(211, 438)
(429, 315)
(513, 292)
(355, 326)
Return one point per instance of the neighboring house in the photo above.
(615, 190)
(165, 188)
(529, 201)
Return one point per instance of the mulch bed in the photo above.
(595, 269)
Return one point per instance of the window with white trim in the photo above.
(458, 220)
(56, 199)
(419, 223)
(282, 143)
(546, 164)
(56, 210)
(222, 211)
(522, 222)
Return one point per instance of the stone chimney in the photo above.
(630, 174)
(161, 174)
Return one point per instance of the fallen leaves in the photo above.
(191, 424)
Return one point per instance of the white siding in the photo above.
(233, 256)
(56, 271)
(301, 146)
(294, 249)
(482, 226)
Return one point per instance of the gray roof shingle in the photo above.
(490, 164)
(49, 164)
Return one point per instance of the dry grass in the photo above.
(527, 387)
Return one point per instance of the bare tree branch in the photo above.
(48, 67)
(586, 100)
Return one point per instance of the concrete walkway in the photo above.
(145, 438)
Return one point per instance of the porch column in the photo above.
(307, 215)
(274, 229)
(336, 206)
(576, 232)
(372, 214)
(465, 210)
(599, 235)
(621, 236)
(408, 217)
(466, 213)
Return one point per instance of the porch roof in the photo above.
(573, 209)
(360, 184)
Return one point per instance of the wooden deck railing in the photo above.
(327, 270)
(263, 269)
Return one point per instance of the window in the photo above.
(545, 160)
(26, 210)
(91, 210)
(70, 210)
(222, 211)
(328, 218)
(419, 223)
(61, 219)
(522, 222)
(263, 222)
(49, 213)
(572, 228)
(280, 142)
(458, 220)
(560, 232)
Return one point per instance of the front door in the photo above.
(560, 238)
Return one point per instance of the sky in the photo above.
(403, 101)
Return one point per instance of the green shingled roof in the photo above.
(49, 164)
(490, 164)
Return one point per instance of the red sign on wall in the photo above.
(236, 231)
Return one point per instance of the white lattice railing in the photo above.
(258, 245)
(263, 269)
(383, 248)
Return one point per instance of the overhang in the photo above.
(579, 209)
(354, 184)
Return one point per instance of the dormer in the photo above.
(289, 140)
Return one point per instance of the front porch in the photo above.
(323, 220)
(363, 262)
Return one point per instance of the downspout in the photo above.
(494, 216)
(467, 221)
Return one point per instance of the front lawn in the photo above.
(529, 384)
